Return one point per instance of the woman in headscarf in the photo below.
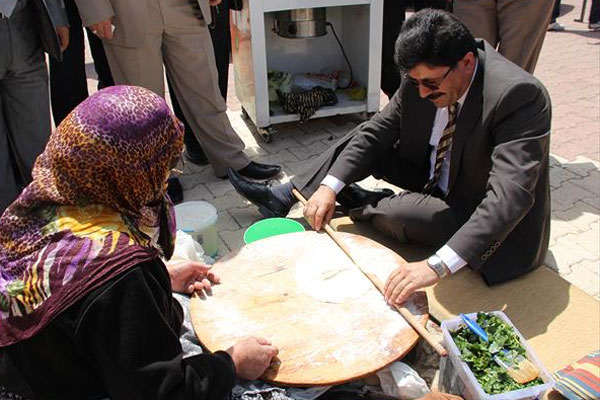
(86, 307)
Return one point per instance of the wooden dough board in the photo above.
(320, 343)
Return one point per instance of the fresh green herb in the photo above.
(479, 355)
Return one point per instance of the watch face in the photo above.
(434, 260)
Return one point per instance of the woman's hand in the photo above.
(252, 357)
(190, 276)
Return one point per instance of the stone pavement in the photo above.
(568, 66)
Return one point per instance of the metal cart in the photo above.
(256, 49)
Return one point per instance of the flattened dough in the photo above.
(330, 277)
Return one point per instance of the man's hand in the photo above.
(407, 278)
(63, 37)
(190, 276)
(320, 207)
(103, 29)
(214, 2)
(252, 356)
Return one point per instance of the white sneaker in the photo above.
(556, 26)
(595, 26)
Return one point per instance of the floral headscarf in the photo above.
(96, 207)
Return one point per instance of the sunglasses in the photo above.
(431, 85)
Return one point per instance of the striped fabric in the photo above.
(580, 380)
(442, 148)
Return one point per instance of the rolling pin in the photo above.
(377, 283)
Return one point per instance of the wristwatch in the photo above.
(437, 265)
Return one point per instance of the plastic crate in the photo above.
(457, 378)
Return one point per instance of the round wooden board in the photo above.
(265, 292)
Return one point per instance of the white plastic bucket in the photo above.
(198, 218)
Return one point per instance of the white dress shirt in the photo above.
(452, 260)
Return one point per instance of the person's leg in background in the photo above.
(480, 18)
(24, 99)
(101, 66)
(554, 25)
(595, 16)
(393, 18)
(68, 85)
(191, 68)
(520, 41)
(193, 149)
(221, 39)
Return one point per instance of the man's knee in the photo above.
(412, 218)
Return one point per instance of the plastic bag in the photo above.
(186, 248)
(304, 82)
(401, 381)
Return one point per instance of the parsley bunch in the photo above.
(479, 355)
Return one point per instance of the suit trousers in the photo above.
(408, 217)
(24, 101)
(68, 79)
(515, 27)
(178, 38)
(221, 40)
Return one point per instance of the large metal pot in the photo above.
(301, 23)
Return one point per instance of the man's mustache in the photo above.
(434, 96)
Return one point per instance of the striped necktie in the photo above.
(442, 148)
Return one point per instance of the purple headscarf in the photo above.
(96, 207)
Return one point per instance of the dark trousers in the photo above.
(421, 4)
(393, 18)
(408, 217)
(221, 38)
(68, 79)
(24, 101)
(595, 12)
(555, 11)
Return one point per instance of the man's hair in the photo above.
(433, 37)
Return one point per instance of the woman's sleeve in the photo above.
(125, 334)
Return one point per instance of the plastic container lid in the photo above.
(194, 216)
(271, 227)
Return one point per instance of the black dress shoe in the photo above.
(353, 196)
(196, 156)
(256, 170)
(259, 194)
(175, 190)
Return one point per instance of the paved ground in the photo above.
(569, 66)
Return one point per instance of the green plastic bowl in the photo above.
(271, 227)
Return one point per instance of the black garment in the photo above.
(393, 18)
(555, 11)
(120, 341)
(221, 39)
(68, 82)
(436, 4)
(595, 12)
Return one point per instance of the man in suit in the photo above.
(27, 28)
(466, 136)
(516, 28)
(150, 32)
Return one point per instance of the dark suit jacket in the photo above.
(50, 14)
(499, 166)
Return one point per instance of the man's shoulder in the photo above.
(501, 76)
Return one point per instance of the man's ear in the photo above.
(468, 61)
